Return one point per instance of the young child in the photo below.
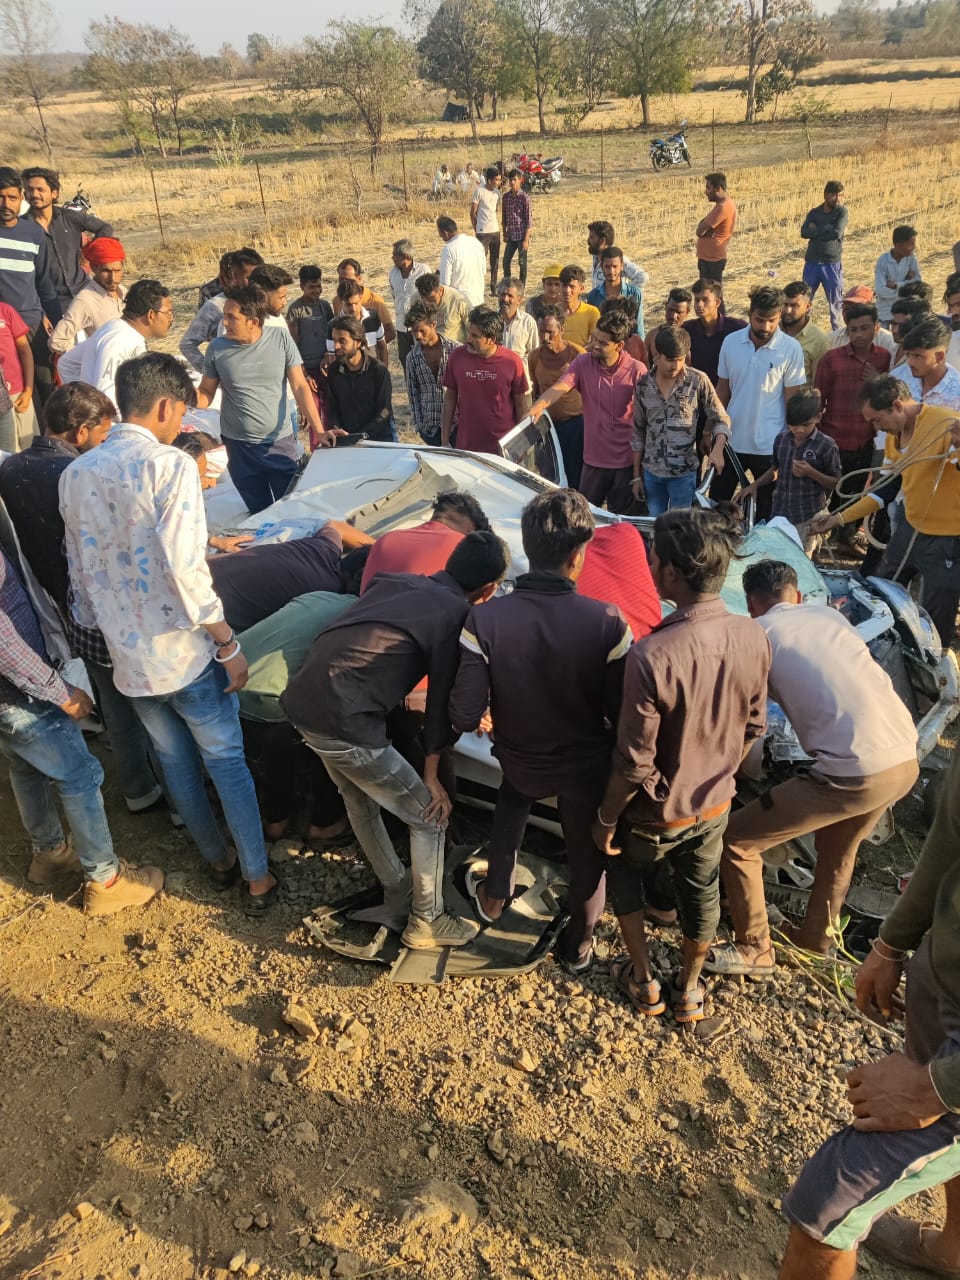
(806, 468)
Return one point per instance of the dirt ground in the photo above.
(159, 1118)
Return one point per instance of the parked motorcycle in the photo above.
(539, 174)
(79, 203)
(665, 152)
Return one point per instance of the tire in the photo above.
(686, 156)
(660, 160)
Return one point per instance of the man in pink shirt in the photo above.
(426, 548)
(485, 385)
(605, 375)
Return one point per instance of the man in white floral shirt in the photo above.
(136, 538)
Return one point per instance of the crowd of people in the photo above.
(292, 673)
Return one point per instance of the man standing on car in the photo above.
(715, 231)
(485, 387)
(823, 228)
(517, 221)
(853, 724)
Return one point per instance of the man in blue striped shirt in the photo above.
(26, 283)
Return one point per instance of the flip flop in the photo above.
(901, 1240)
(473, 880)
(727, 959)
(621, 970)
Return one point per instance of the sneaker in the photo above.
(50, 867)
(131, 887)
(444, 931)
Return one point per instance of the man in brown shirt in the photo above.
(548, 363)
(694, 698)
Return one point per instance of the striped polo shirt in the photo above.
(25, 282)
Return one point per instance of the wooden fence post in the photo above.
(156, 201)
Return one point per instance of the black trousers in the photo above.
(286, 772)
(515, 247)
(724, 485)
(936, 560)
(42, 368)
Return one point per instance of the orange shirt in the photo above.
(722, 218)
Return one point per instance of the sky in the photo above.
(215, 22)
(212, 23)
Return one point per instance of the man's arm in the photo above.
(25, 355)
(201, 329)
(302, 394)
(207, 390)
(634, 758)
(350, 536)
(636, 275)
(527, 219)
(447, 415)
(24, 667)
(444, 266)
(65, 331)
(90, 223)
(383, 315)
(44, 283)
(474, 206)
(552, 395)
(705, 225)
(823, 479)
(470, 697)
(723, 391)
(382, 353)
(520, 402)
(638, 438)
(383, 401)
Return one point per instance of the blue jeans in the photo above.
(131, 746)
(668, 491)
(369, 778)
(830, 276)
(199, 727)
(46, 752)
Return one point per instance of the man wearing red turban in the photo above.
(100, 299)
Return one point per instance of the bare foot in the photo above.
(340, 828)
(263, 885)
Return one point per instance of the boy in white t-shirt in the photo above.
(484, 215)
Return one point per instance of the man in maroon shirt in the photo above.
(485, 385)
(694, 698)
(549, 663)
(426, 547)
(840, 376)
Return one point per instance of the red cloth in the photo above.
(12, 327)
(485, 389)
(103, 250)
(616, 571)
(839, 379)
(424, 549)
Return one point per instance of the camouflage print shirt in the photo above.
(666, 431)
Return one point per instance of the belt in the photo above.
(679, 823)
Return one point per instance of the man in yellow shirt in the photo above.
(922, 458)
(580, 318)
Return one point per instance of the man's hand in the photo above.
(824, 521)
(636, 484)
(47, 326)
(22, 401)
(485, 725)
(238, 673)
(891, 1095)
(78, 706)
(955, 433)
(536, 411)
(748, 491)
(312, 384)
(230, 544)
(716, 457)
(801, 468)
(439, 808)
(603, 839)
(876, 981)
(327, 439)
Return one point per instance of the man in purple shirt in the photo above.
(41, 741)
(606, 378)
(694, 698)
(549, 664)
(710, 327)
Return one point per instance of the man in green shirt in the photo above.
(285, 770)
(905, 1133)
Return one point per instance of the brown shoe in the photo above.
(50, 867)
(132, 887)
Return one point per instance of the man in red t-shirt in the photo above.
(616, 570)
(16, 369)
(485, 384)
(426, 548)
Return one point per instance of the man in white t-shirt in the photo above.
(462, 262)
(484, 214)
(147, 313)
(760, 368)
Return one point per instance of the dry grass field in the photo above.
(159, 1120)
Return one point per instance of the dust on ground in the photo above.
(160, 1120)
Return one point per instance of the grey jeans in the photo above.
(369, 778)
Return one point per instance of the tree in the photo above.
(532, 37)
(371, 67)
(765, 31)
(231, 63)
(143, 70)
(462, 50)
(659, 45)
(27, 37)
(857, 21)
(587, 56)
(259, 49)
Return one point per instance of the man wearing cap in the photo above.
(859, 294)
(100, 299)
(552, 295)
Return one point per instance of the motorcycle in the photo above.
(79, 203)
(539, 174)
(665, 152)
